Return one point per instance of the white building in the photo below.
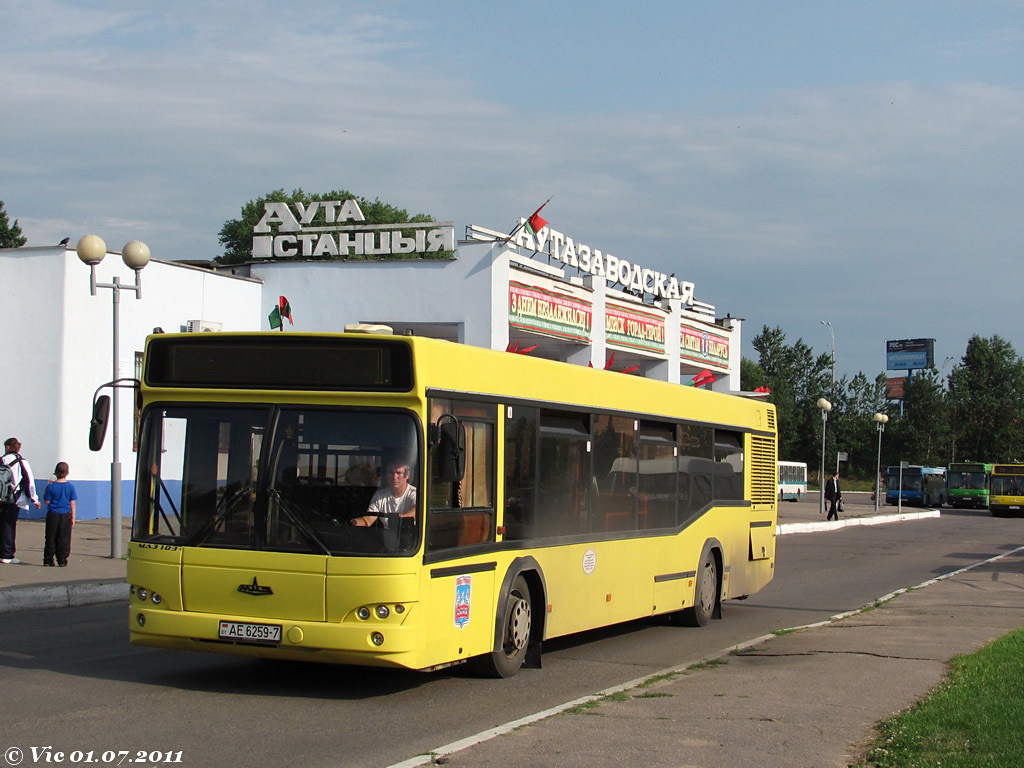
(59, 351)
(494, 295)
(538, 293)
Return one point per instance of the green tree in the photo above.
(921, 434)
(751, 375)
(986, 399)
(857, 400)
(10, 234)
(796, 378)
(236, 234)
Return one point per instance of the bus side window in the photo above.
(696, 451)
(522, 425)
(461, 513)
(564, 479)
(615, 466)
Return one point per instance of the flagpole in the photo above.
(523, 222)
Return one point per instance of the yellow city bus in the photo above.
(1006, 490)
(415, 503)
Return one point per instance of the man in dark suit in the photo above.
(833, 495)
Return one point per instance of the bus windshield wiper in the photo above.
(290, 511)
(228, 505)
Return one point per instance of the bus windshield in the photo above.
(965, 481)
(1003, 485)
(286, 479)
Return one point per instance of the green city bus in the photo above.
(967, 484)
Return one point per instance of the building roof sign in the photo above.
(583, 257)
(331, 229)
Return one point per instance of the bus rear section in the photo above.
(915, 486)
(1006, 490)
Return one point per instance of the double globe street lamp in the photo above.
(880, 420)
(825, 407)
(135, 255)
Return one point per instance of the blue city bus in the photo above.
(921, 486)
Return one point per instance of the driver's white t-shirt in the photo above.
(385, 504)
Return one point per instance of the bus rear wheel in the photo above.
(705, 598)
(514, 639)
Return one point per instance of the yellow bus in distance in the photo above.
(415, 503)
(1006, 490)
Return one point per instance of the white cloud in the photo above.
(159, 124)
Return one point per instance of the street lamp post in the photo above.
(832, 392)
(91, 250)
(880, 420)
(825, 407)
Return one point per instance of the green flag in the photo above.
(275, 318)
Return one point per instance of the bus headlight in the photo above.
(157, 599)
(382, 611)
(363, 613)
(377, 638)
(140, 619)
(142, 593)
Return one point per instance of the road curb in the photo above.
(62, 595)
(832, 525)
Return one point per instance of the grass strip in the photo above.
(973, 720)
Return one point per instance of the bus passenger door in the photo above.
(459, 542)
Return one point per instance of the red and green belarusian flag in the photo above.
(281, 311)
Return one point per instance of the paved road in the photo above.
(81, 686)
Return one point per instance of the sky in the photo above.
(803, 163)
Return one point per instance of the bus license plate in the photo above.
(253, 633)
(1014, 506)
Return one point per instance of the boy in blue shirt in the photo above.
(60, 516)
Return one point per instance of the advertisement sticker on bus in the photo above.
(589, 561)
(463, 596)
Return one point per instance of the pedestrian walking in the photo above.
(24, 486)
(833, 496)
(61, 498)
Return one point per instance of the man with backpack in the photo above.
(17, 490)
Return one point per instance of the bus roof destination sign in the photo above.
(909, 354)
(329, 228)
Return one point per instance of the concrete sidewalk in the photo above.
(91, 576)
(807, 698)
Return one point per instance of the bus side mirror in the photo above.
(450, 451)
(98, 425)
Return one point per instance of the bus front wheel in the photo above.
(515, 630)
(705, 598)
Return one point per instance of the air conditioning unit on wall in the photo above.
(199, 326)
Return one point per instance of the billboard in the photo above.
(895, 388)
(909, 354)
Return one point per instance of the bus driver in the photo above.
(396, 500)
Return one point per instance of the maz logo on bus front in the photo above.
(254, 588)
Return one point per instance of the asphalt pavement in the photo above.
(805, 698)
